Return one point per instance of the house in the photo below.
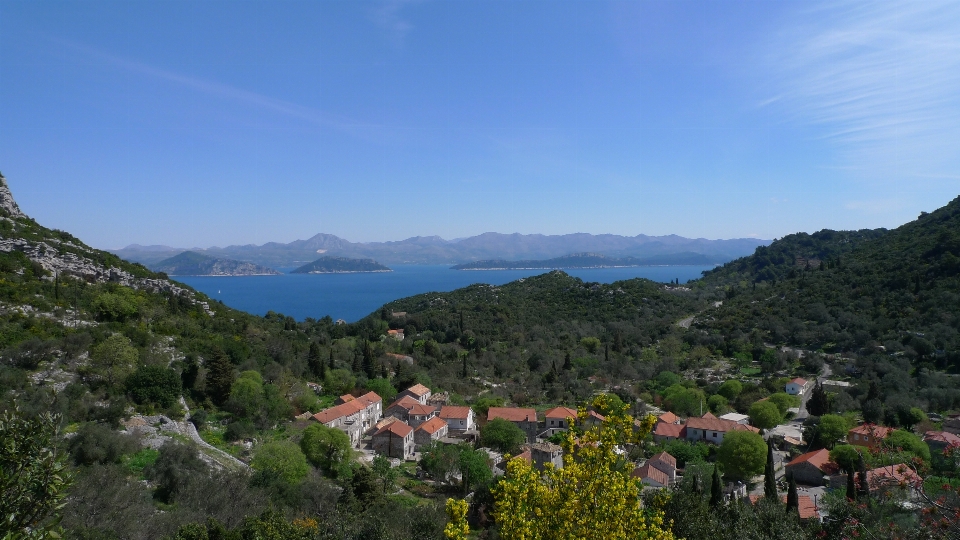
(666, 464)
(429, 431)
(594, 418)
(796, 387)
(401, 358)
(557, 417)
(458, 418)
(544, 452)
(835, 386)
(418, 392)
(894, 479)
(525, 419)
(420, 414)
(736, 417)
(805, 507)
(401, 408)
(668, 418)
(938, 441)
(395, 334)
(394, 440)
(711, 429)
(869, 435)
(664, 432)
(810, 468)
(651, 476)
(353, 415)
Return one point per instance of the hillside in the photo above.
(190, 263)
(487, 246)
(340, 265)
(586, 260)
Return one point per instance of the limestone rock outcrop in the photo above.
(7, 202)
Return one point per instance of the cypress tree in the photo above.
(315, 362)
(567, 363)
(819, 403)
(331, 365)
(696, 484)
(864, 486)
(851, 487)
(464, 374)
(220, 376)
(716, 488)
(368, 361)
(769, 478)
(793, 498)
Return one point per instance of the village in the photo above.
(418, 417)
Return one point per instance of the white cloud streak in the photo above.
(882, 79)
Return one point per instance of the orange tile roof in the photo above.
(455, 411)
(406, 402)
(879, 432)
(801, 382)
(806, 507)
(709, 415)
(398, 428)
(595, 414)
(512, 414)
(422, 410)
(893, 475)
(370, 398)
(526, 455)
(944, 437)
(716, 424)
(418, 390)
(561, 413)
(653, 473)
(668, 417)
(666, 458)
(669, 430)
(432, 425)
(817, 458)
(347, 397)
(347, 409)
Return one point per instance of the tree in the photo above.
(282, 459)
(502, 435)
(440, 460)
(717, 404)
(730, 389)
(903, 440)
(831, 429)
(567, 362)
(474, 469)
(384, 470)
(846, 456)
(819, 402)
(246, 395)
(716, 488)
(784, 401)
(765, 415)
(114, 359)
(793, 498)
(591, 496)
(34, 477)
(339, 381)
(327, 448)
(155, 385)
(315, 362)
(220, 377)
(383, 388)
(769, 478)
(457, 528)
(742, 454)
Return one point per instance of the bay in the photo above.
(353, 296)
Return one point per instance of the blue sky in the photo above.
(214, 123)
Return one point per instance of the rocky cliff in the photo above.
(8, 205)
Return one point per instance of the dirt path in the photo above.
(224, 459)
(685, 323)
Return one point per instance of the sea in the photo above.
(353, 296)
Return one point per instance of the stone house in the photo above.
(557, 417)
(651, 476)
(420, 414)
(810, 469)
(544, 452)
(395, 440)
(418, 392)
(353, 415)
(666, 464)
(429, 431)
(869, 435)
(711, 429)
(525, 419)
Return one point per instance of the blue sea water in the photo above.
(354, 296)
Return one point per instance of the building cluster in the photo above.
(706, 428)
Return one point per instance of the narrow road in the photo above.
(685, 323)
(223, 458)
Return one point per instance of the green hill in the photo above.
(191, 263)
(340, 265)
(587, 260)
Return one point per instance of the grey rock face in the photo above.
(7, 203)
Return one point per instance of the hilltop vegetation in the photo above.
(587, 260)
(190, 263)
(340, 265)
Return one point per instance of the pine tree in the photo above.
(716, 488)
(819, 403)
(384, 372)
(368, 361)
(769, 478)
(331, 364)
(315, 362)
(220, 376)
(793, 499)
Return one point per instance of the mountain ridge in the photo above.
(191, 263)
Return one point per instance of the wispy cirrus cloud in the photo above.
(882, 79)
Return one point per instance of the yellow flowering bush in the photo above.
(592, 496)
(457, 528)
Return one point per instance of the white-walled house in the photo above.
(458, 418)
(796, 387)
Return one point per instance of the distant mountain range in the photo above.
(669, 250)
(586, 260)
(190, 263)
(341, 265)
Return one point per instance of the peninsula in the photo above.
(191, 263)
(587, 260)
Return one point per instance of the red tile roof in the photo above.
(805, 506)
(561, 413)
(513, 414)
(716, 424)
(801, 382)
(454, 411)
(398, 428)
(432, 425)
(418, 390)
(668, 417)
(675, 431)
(666, 458)
(422, 410)
(370, 398)
(893, 475)
(648, 471)
(943, 437)
(406, 402)
(879, 432)
(817, 458)
(596, 415)
(709, 415)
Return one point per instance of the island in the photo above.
(587, 260)
(341, 265)
(191, 263)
